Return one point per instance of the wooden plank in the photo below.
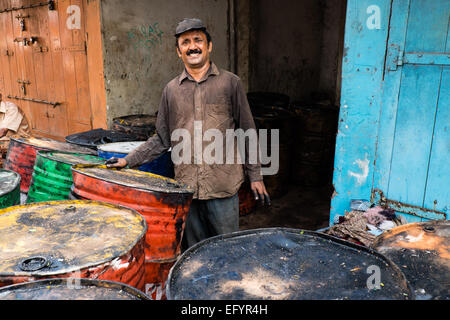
(5, 72)
(437, 194)
(95, 64)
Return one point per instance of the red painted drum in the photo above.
(76, 239)
(22, 154)
(163, 202)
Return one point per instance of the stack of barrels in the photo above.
(121, 229)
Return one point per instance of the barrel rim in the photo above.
(85, 282)
(185, 188)
(41, 148)
(379, 240)
(336, 240)
(46, 154)
(124, 118)
(14, 187)
(141, 236)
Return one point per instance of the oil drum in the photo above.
(71, 289)
(280, 263)
(422, 251)
(163, 202)
(93, 138)
(270, 119)
(162, 165)
(141, 125)
(52, 177)
(9, 188)
(314, 145)
(22, 154)
(77, 239)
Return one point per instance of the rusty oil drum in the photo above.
(9, 188)
(22, 154)
(52, 176)
(163, 202)
(79, 239)
(71, 289)
(422, 251)
(140, 125)
(282, 264)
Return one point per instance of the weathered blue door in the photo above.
(412, 162)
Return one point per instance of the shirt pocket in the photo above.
(219, 116)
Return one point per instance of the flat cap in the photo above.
(189, 24)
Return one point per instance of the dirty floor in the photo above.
(301, 207)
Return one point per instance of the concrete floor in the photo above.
(300, 208)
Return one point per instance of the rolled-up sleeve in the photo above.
(156, 145)
(13, 117)
(244, 120)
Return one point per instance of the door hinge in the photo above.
(394, 57)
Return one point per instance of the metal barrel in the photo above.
(9, 188)
(163, 202)
(316, 129)
(280, 263)
(71, 289)
(422, 251)
(22, 154)
(162, 165)
(141, 125)
(262, 98)
(270, 119)
(72, 239)
(52, 177)
(93, 138)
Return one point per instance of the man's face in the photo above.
(193, 49)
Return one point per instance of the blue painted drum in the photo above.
(162, 165)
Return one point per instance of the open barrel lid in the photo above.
(279, 263)
(422, 251)
(132, 178)
(120, 147)
(71, 158)
(9, 180)
(50, 144)
(71, 289)
(56, 237)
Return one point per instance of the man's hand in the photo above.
(3, 132)
(116, 162)
(260, 192)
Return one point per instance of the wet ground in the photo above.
(301, 207)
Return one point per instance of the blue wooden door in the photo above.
(412, 165)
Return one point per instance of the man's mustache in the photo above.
(189, 52)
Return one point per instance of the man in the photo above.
(12, 122)
(203, 98)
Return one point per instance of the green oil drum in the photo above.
(9, 188)
(52, 176)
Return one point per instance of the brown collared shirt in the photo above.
(218, 102)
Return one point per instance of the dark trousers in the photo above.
(208, 218)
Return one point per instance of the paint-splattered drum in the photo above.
(22, 154)
(71, 289)
(285, 264)
(422, 251)
(80, 239)
(9, 188)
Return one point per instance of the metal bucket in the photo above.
(77, 239)
(162, 165)
(93, 138)
(141, 125)
(71, 289)
(279, 263)
(22, 154)
(422, 251)
(52, 177)
(9, 188)
(163, 202)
